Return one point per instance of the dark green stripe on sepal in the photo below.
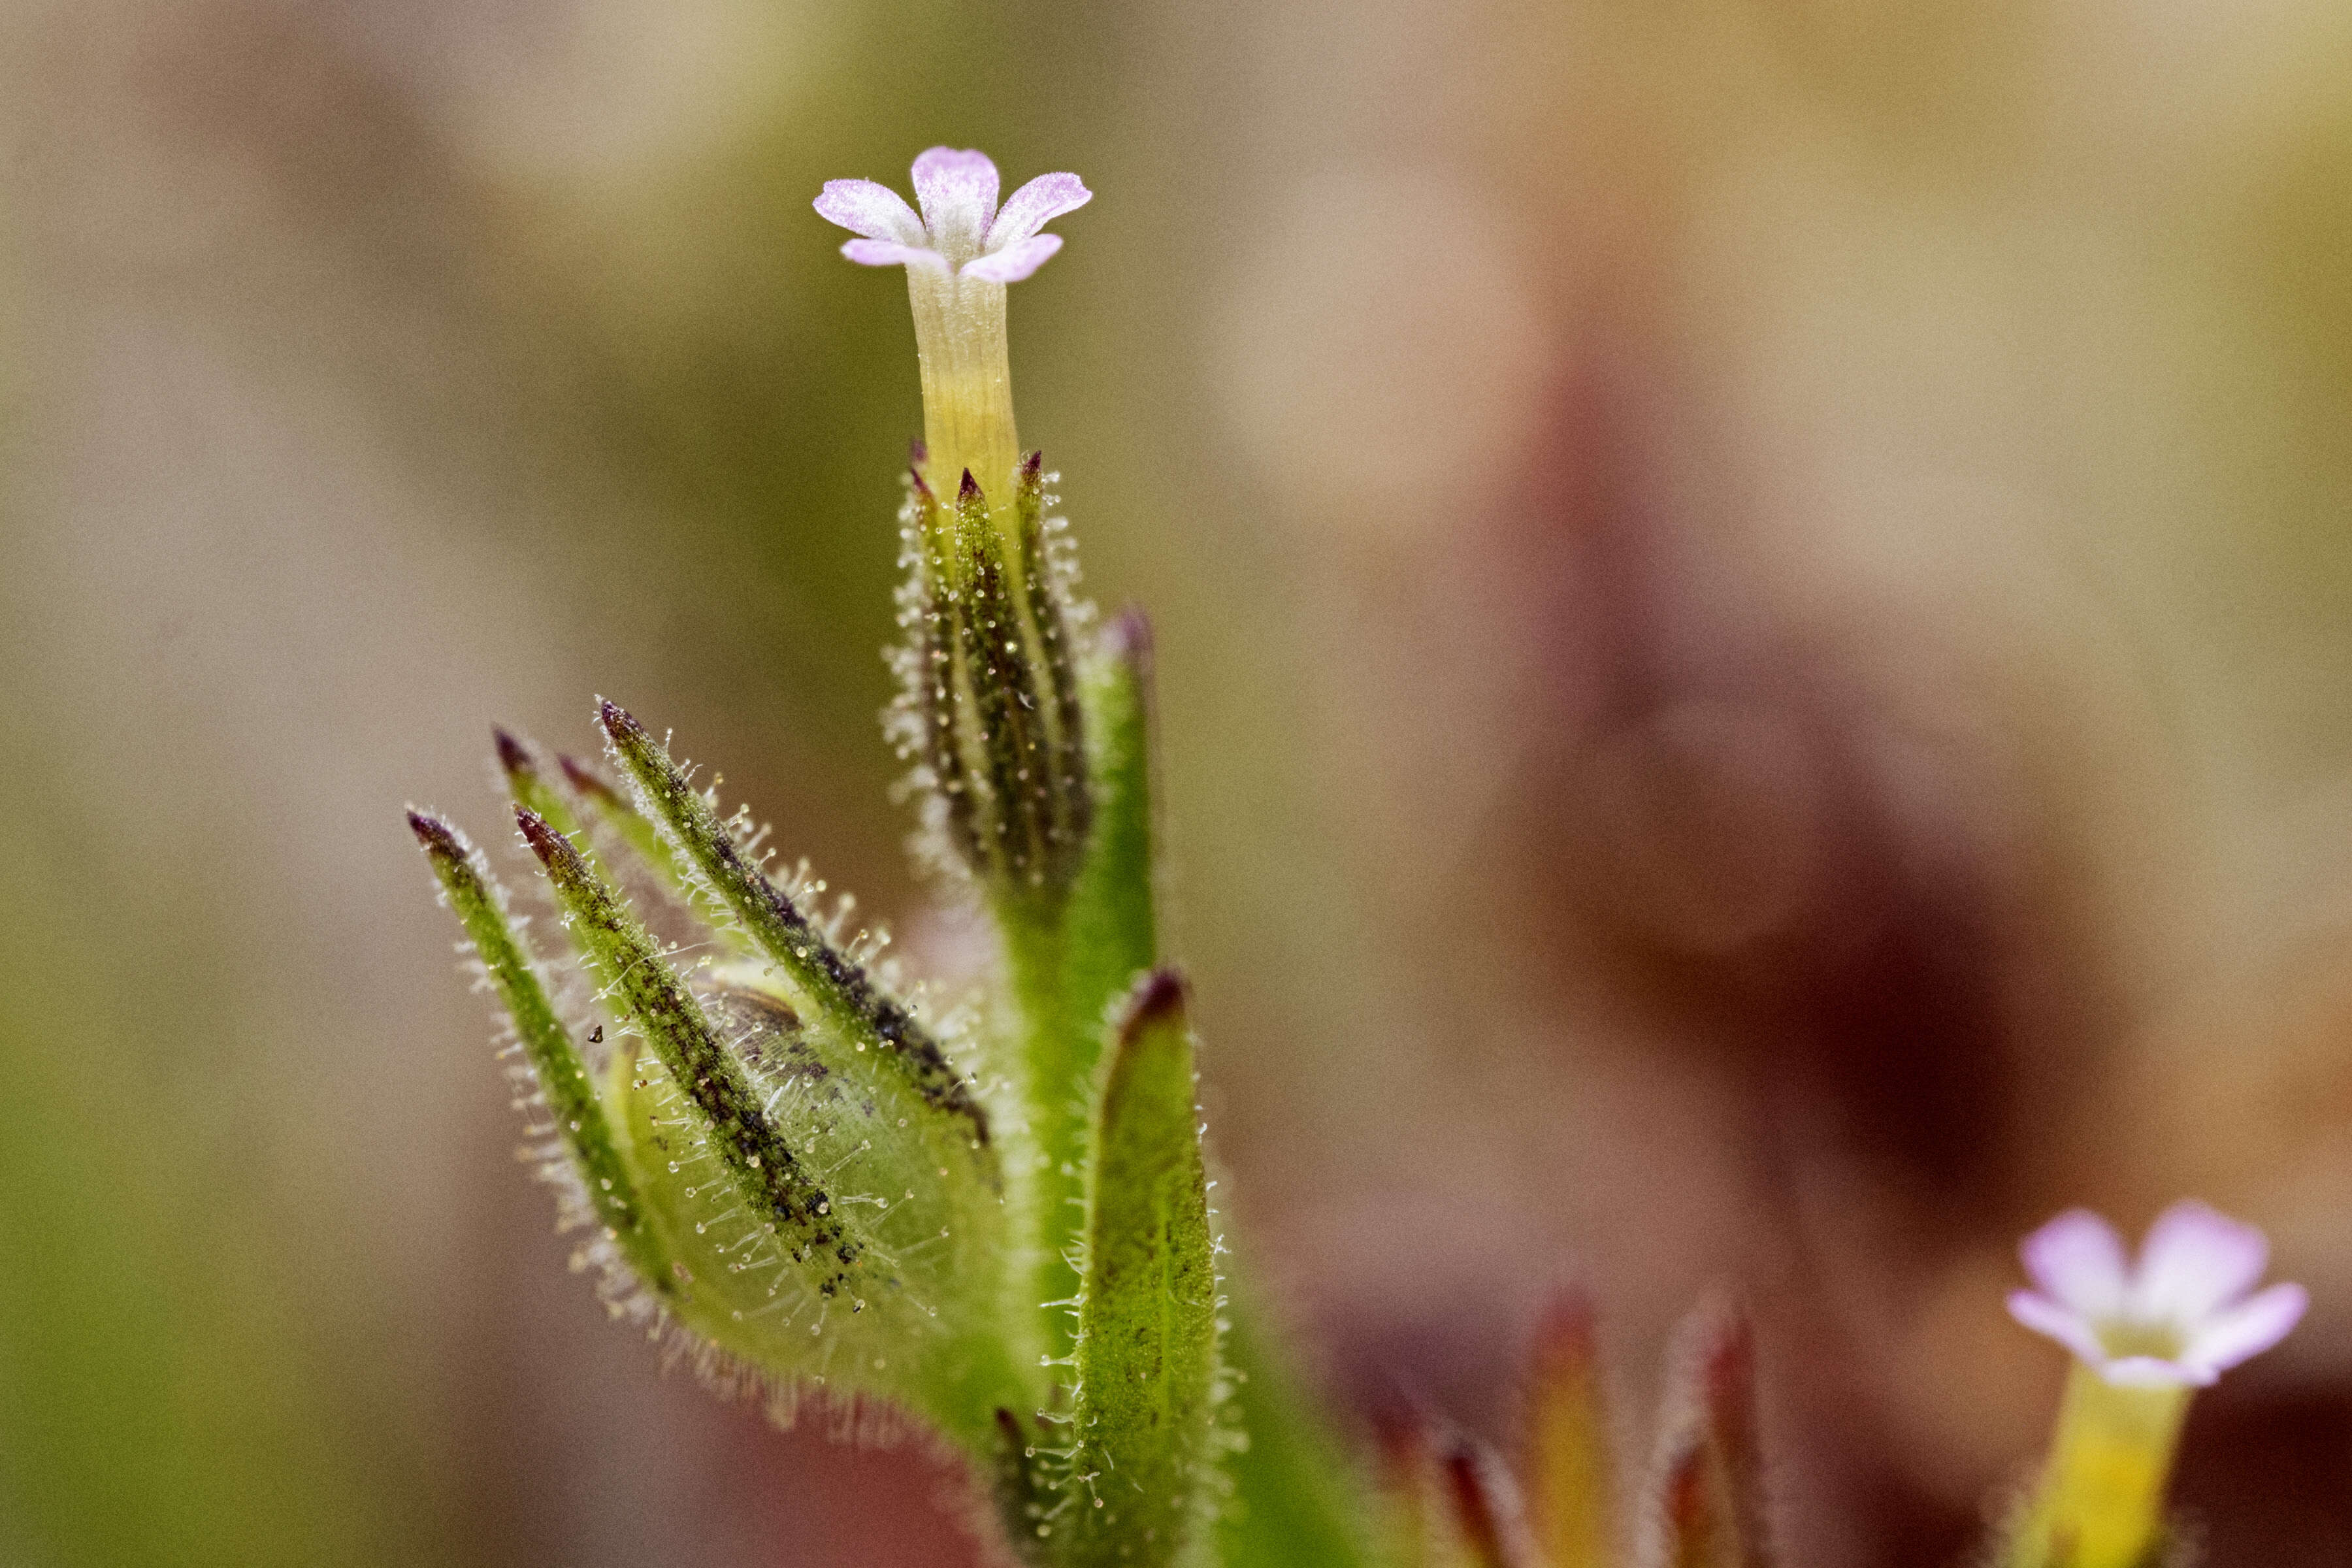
(937, 679)
(778, 928)
(1018, 820)
(563, 1077)
(1041, 588)
(641, 984)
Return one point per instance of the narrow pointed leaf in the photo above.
(833, 983)
(643, 985)
(563, 1077)
(1113, 926)
(1147, 1354)
(604, 805)
(1069, 975)
(530, 786)
(1571, 1464)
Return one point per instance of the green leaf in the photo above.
(607, 1187)
(1069, 973)
(1142, 1422)
(820, 1230)
(771, 1180)
(1111, 921)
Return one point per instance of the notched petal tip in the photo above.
(874, 210)
(2078, 1259)
(1015, 262)
(956, 188)
(1035, 205)
(2247, 1329)
(2196, 1260)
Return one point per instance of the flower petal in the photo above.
(958, 191)
(1034, 205)
(1015, 262)
(2055, 1321)
(889, 253)
(2078, 1259)
(2154, 1372)
(2248, 1329)
(878, 212)
(2193, 1261)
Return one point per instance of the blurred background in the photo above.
(1756, 620)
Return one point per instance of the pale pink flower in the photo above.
(960, 231)
(2179, 1319)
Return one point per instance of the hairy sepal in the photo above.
(781, 1188)
(850, 1013)
(556, 1070)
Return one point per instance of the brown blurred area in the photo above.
(1756, 624)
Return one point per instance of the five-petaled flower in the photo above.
(960, 229)
(2179, 1319)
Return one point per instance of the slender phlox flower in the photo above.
(2180, 1317)
(960, 251)
(960, 229)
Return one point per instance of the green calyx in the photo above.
(995, 1222)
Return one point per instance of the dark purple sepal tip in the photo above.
(1158, 996)
(577, 775)
(511, 755)
(969, 490)
(550, 845)
(1129, 635)
(435, 834)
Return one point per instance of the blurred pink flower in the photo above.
(962, 230)
(2181, 1318)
